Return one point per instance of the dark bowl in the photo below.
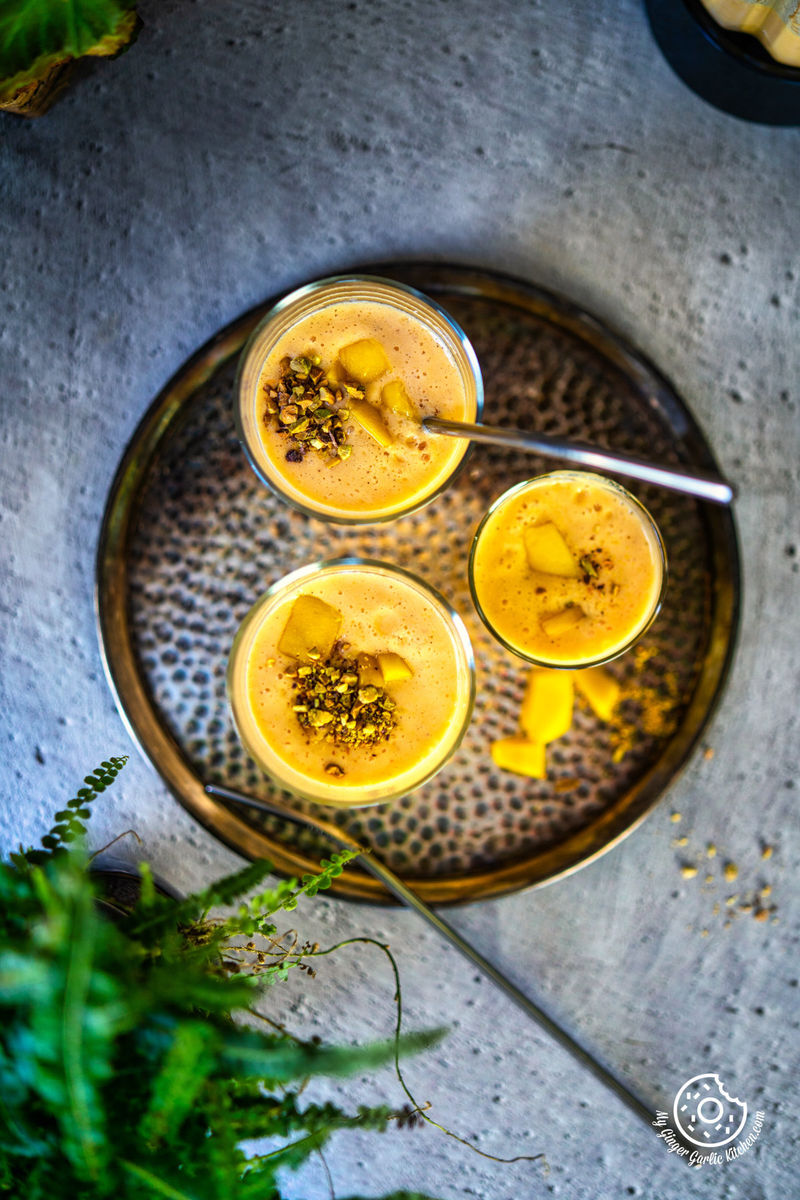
(730, 70)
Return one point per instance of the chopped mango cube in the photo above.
(369, 673)
(548, 552)
(561, 622)
(364, 360)
(335, 373)
(600, 689)
(394, 669)
(370, 419)
(372, 393)
(520, 755)
(546, 712)
(395, 397)
(311, 630)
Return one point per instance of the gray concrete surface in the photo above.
(241, 147)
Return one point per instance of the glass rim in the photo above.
(658, 541)
(297, 296)
(251, 622)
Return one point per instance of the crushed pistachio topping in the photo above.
(310, 410)
(592, 566)
(332, 701)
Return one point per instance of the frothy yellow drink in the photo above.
(568, 569)
(351, 682)
(332, 391)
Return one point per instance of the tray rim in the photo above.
(140, 715)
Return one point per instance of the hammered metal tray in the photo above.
(190, 539)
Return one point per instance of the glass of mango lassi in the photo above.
(351, 682)
(331, 391)
(568, 569)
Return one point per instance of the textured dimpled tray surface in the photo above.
(191, 539)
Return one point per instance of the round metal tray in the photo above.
(190, 539)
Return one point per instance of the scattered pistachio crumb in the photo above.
(709, 878)
(656, 709)
(766, 890)
(766, 852)
(688, 872)
(732, 899)
(675, 817)
(731, 871)
(711, 850)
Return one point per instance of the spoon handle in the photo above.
(410, 898)
(678, 479)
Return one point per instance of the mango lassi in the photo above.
(333, 387)
(567, 570)
(351, 682)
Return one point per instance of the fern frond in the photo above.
(186, 1067)
(253, 915)
(268, 1116)
(156, 914)
(70, 820)
(396, 1196)
(155, 1184)
(276, 1060)
(122, 1071)
(60, 1035)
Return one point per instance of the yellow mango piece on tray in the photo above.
(546, 712)
(311, 630)
(394, 669)
(370, 419)
(600, 689)
(520, 755)
(395, 397)
(563, 621)
(547, 551)
(364, 360)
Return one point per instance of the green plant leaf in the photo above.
(156, 914)
(69, 821)
(35, 35)
(155, 1184)
(396, 1196)
(278, 1060)
(186, 1067)
(124, 1074)
(79, 1053)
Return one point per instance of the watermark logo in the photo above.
(705, 1114)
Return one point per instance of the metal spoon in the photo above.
(412, 900)
(678, 479)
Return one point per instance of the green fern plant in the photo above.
(122, 1072)
(39, 39)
